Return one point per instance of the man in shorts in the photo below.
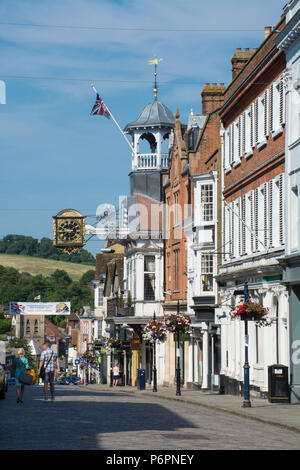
(50, 362)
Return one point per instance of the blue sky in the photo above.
(54, 155)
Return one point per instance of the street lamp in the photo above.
(178, 378)
(246, 402)
(154, 362)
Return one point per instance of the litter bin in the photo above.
(141, 379)
(278, 384)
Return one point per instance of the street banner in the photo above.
(39, 308)
(222, 316)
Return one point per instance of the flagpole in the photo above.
(115, 121)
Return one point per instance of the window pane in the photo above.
(149, 264)
(207, 202)
(149, 286)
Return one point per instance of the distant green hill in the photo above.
(28, 246)
(35, 266)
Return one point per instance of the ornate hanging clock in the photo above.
(69, 231)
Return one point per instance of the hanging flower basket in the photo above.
(178, 322)
(89, 357)
(251, 311)
(154, 331)
(111, 343)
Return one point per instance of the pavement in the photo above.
(284, 415)
(101, 418)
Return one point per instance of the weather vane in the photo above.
(155, 62)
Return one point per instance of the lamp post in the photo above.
(154, 362)
(178, 378)
(247, 402)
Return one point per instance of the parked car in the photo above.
(3, 383)
(63, 381)
(74, 380)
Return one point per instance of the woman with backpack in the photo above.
(21, 364)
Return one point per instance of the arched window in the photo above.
(36, 327)
(27, 327)
(147, 143)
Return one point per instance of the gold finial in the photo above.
(155, 62)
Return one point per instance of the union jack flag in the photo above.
(99, 108)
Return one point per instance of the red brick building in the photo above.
(253, 144)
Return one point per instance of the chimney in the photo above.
(268, 31)
(212, 97)
(239, 60)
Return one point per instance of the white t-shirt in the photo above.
(116, 370)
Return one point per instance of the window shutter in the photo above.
(270, 200)
(265, 215)
(281, 103)
(266, 114)
(229, 145)
(224, 228)
(240, 138)
(232, 231)
(256, 121)
(281, 228)
(232, 144)
(272, 107)
(256, 218)
(244, 134)
(251, 221)
(251, 127)
(239, 234)
(243, 225)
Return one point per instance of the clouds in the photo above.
(57, 154)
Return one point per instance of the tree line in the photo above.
(58, 287)
(29, 246)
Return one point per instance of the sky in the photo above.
(54, 155)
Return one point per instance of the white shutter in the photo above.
(256, 219)
(266, 131)
(270, 204)
(224, 228)
(243, 215)
(232, 144)
(239, 227)
(232, 231)
(265, 215)
(240, 152)
(281, 211)
(281, 103)
(256, 122)
(244, 134)
(251, 210)
(252, 126)
(271, 114)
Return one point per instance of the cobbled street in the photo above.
(84, 419)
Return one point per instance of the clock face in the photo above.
(69, 230)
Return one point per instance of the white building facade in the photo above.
(288, 41)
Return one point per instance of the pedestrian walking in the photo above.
(20, 364)
(48, 364)
(116, 374)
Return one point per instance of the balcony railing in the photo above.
(152, 161)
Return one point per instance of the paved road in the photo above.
(87, 419)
